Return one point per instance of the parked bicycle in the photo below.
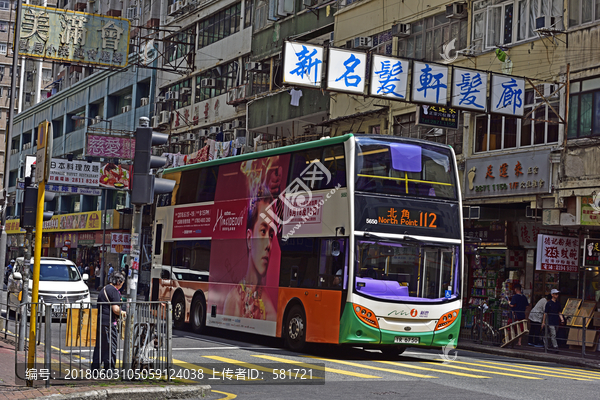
(482, 331)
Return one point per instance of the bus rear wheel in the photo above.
(294, 329)
(198, 315)
(178, 312)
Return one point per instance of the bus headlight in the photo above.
(446, 320)
(367, 316)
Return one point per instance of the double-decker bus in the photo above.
(355, 239)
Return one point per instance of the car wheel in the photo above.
(295, 329)
(198, 315)
(179, 312)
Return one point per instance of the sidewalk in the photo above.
(565, 356)
(60, 389)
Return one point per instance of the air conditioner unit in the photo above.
(172, 95)
(145, 101)
(125, 109)
(189, 137)
(174, 8)
(253, 66)
(214, 129)
(203, 132)
(160, 99)
(237, 123)
(228, 126)
(27, 146)
(185, 90)
(456, 10)
(238, 133)
(165, 117)
(362, 42)
(307, 3)
(155, 121)
(401, 30)
(174, 139)
(132, 12)
(208, 83)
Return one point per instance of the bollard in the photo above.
(169, 338)
(47, 339)
(546, 338)
(583, 338)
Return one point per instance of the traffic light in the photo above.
(144, 185)
(29, 206)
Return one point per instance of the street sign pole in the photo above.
(43, 138)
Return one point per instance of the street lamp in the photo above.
(104, 193)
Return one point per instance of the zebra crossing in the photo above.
(409, 367)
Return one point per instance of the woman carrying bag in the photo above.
(107, 336)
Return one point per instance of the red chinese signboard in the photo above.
(557, 253)
(110, 146)
(192, 222)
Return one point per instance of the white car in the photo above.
(60, 284)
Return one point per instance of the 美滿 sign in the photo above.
(557, 253)
(508, 174)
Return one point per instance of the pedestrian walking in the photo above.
(536, 316)
(105, 352)
(553, 318)
(97, 277)
(519, 303)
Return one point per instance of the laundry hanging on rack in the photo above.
(296, 94)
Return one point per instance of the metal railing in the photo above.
(78, 341)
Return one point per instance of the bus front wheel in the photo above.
(178, 312)
(393, 351)
(295, 329)
(198, 315)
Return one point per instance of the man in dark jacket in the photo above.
(553, 318)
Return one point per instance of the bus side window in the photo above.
(299, 263)
(332, 263)
(207, 184)
(158, 239)
(334, 160)
(187, 191)
(166, 259)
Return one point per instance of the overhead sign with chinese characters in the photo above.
(110, 146)
(557, 253)
(508, 174)
(469, 89)
(346, 71)
(80, 173)
(590, 210)
(72, 36)
(73, 190)
(507, 95)
(430, 83)
(303, 64)
(389, 77)
(120, 243)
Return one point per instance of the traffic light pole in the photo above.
(25, 288)
(136, 234)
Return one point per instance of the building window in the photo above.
(583, 11)
(404, 126)
(181, 44)
(382, 43)
(495, 132)
(220, 25)
(3, 48)
(584, 109)
(3, 26)
(185, 95)
(224, 78)
(499, 23)
(46, 74)
(430, 34)
(248, 13)
(4, 5)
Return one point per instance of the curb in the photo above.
(171, 392)
(551, 358)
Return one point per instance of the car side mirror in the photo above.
(85, 277)
(17, 276)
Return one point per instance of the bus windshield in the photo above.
(407, 271)
(406, 169)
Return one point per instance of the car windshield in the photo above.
(407, 271)
(58, 272)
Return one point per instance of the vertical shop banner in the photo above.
(192, 222)
(430, 83)
(591, 252)
(120, 243)
(389, 77)
(302, 64)
(469, 89)
(507, 95)
(557, 253)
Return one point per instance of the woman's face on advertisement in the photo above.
(262, 238)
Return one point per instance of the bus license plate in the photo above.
(406, 339)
